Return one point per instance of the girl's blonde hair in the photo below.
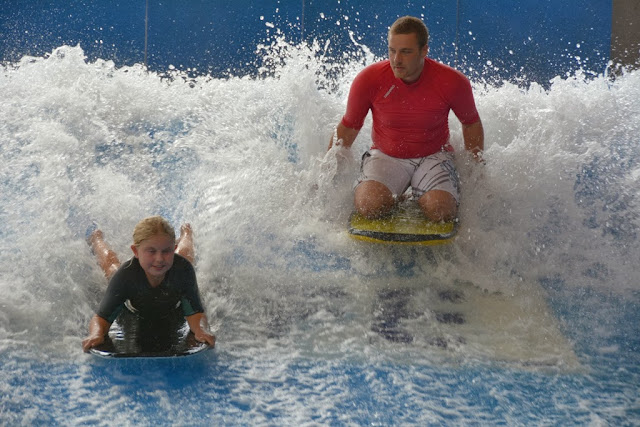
(151, 226)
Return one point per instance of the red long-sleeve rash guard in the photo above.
(410, 120)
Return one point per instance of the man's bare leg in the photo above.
(438, 205)
(185, 243)
(373, 199)
(107, 258)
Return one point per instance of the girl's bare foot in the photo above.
(185, 243)
(94, 237)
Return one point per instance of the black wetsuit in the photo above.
(178, 289)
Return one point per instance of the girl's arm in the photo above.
(98, 329)
(199, 326)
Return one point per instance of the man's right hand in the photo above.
(344, 135)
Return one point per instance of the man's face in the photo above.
(406, 56)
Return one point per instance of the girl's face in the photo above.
(155, 255)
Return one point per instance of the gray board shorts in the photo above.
(434, 172)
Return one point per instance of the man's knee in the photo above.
(373, 199)
(438, 205)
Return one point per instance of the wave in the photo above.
(243, 159)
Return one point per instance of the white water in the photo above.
(243, 160)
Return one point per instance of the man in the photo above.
(410, 97)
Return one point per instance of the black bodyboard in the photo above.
(130, 336)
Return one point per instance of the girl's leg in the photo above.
(185, 243)
(107, 258)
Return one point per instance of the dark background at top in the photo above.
(491, 39)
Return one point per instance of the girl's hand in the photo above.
(92, 341)
(203, 336)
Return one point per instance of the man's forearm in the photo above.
(345, 134)
(473, 135)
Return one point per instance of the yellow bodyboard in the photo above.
(405, 225)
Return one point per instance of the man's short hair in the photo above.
(411, 24)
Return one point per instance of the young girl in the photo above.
(152, 284)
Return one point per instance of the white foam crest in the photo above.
(541, 207)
